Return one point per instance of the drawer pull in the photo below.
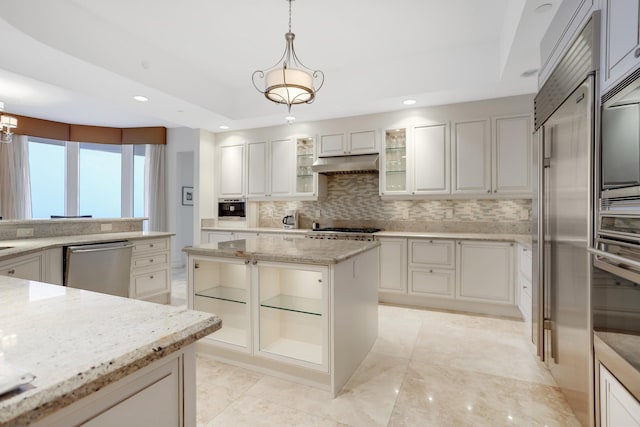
(150, 277)
(524, 287)
(637, 53)
(430, 271)
(11, 272)
(246, 261)
(196, 265)
(151, 260)
(151, 245)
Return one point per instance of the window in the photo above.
(47, 168)
(100, 183)
(102, 180)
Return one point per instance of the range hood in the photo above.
(364, 163)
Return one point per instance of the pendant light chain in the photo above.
(290, 15)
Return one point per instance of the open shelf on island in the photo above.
(225, 293)
(297, 304)
(295, 349)
(230, 335)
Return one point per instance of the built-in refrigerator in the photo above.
(563, 208)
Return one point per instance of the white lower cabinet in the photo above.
(523, 278)
(485, 272)
(617, 406)
(27, 267)
(150, 270)
(467, 275)
(393, 265)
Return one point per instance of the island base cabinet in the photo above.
(161, 394)
(617, 406)
(292, 319)
(221, 287)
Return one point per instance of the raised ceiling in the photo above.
(82, 61)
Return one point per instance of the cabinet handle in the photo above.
(246, 261)
(430, 271)
(151, 260)
(11, 272)
(151, 245)
(254, 262)
(495, 191)
(150, 277)
(196, 265)
(524, 287)
(637, 53)
(430, 241)
(488, 191)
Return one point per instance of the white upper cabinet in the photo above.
(471, 169)
(257, 169)
(231, 177)
(270, 169)
(363, 142)
(431, 159)
(620, 38)
(512, 155)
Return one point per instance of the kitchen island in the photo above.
(97, 357)
(302, 309)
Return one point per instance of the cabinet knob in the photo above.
(246, 261)
(254, 262)
(430, 271)
(637, 53)
(150, 277)
(151, 260)
(488, 191)
(196, 265)
(11, 272)
(524, 287)
(495, 191)
(151, 245)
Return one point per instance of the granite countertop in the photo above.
(28, 245)
(524, 239)
(627, 345)
(307, 251)
(76, 341)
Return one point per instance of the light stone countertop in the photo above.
(524, 239)
(76, 341)
(281, 249)
(29, 245)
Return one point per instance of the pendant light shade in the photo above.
(289, 81)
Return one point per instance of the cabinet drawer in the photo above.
(436, 253)
(27, 267)
(150, 245)
(150, 283)
(525, 262)
(149, 260)
(432, 282)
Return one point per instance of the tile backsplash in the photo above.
(353, 201)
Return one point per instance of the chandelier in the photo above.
(6, 124)
(289, 81)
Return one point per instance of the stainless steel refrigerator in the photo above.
(563, 208)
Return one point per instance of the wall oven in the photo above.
(232, 209)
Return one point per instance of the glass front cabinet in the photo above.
(304, 159)
(394, 176)
(276, 311)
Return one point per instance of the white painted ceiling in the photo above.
(82, 61)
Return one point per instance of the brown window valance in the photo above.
(82, 133)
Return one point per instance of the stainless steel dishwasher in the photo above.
(100, 267)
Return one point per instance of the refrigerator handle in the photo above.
(549, 347)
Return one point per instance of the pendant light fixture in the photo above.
(7, 123)
(289, 81)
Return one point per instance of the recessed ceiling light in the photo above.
(141, 98)
(223, 127)
(544, 8)
(289, 118)
(529, 73)
(409, 101)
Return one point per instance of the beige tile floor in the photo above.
(427, 368)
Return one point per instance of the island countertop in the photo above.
(76, 341)
(282, 249)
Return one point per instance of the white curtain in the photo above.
(155, 194)
(15, 187)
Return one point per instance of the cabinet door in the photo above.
(431, 160)
(621, 40)
(281, 168)
(512, 155)
(393, 174)
(393, 265)
(27, 267)
(332, 145)
(617, 406)
(484, 272)
(231, 176)
(256, 169)
(362, 142)
(219, 236)
(471, 157)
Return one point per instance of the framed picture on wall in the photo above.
(187, 196)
